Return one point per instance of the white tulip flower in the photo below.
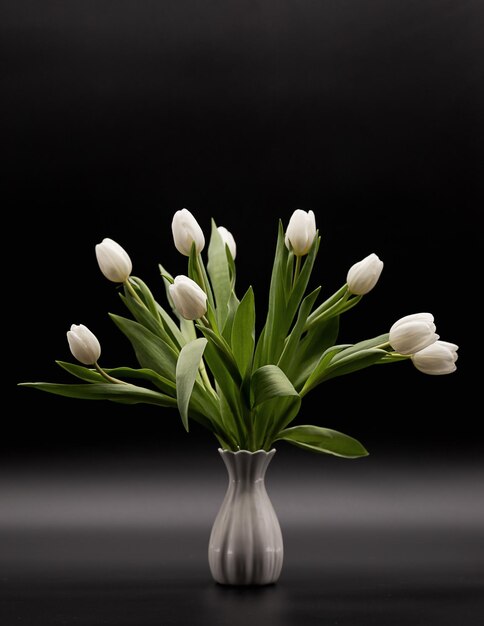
(301, 232)
(83, 344)
(437, 359)
(413, 333)
(114, 261)
(364, 275)
(187, 231)
(189, 299)
(228, 240)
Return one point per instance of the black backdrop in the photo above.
(116, 114)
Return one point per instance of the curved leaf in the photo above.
(123, 393)
(186, 373)
(323, 440)
(269, 382)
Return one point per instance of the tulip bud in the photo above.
(364, 275)
(114, 261)
(228, 240)
(437, 359)
(83, 344)
(187, 231)
(413, 333)
(301, 232)
(189, 299)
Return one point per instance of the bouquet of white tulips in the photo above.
(200, 353)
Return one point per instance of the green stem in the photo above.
(327, 304)
(109, 378)
(206, 379)
(297, 270)
(383, 346)
(132, 291)
(201, 275)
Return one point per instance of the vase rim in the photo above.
(247, 452)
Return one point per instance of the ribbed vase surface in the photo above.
(245, 545)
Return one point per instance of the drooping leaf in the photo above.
(243, 332)
(323, 440)
(186, 373)
(90, 375)
(123, 393)
(269, 381)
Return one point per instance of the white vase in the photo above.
(246, 542)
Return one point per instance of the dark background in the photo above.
(116, 114)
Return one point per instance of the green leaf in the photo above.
(323, 440)
(281, 402)
(344, 365)
(289, 354)
(319, 338)
(273, 341)
(145, 295)
(92, 376)
(155, 324)
(219, 272)
(79, 371)
(300, 287)
(269, 381)
(224, 351)
(226, 386)
(151, 351)
(233, 305)
(361, 345)
(198, 273)
(166, 386)
(122, 393)
(243, 332)
(186, 373)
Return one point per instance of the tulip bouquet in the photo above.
(200, 353)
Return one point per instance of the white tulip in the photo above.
(114, 261)
(83, 344)
(437, 359)
(186, 231)
(228, 240)
(301, 232)
(189, 299)
(413, 333)
(364, 275)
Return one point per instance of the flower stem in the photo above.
(383, 346)
(132, 291)
(109, 378)
(297, 270)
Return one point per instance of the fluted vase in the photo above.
(246, 545)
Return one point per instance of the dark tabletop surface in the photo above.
(124, 543)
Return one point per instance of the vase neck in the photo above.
(245, 466)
